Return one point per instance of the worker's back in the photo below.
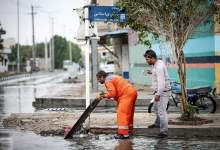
(120, 84)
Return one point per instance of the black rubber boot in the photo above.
(121, 136)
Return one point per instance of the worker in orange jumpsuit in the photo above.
(125, 95)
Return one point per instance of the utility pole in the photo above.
(46, 55)
(52, 46)
(70, 51)
(33, 38)
(18, 38)
(50, 54)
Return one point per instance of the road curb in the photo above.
(58, 102)
(14, 77)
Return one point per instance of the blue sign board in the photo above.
(106, 14)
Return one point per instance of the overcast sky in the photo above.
(66, 21)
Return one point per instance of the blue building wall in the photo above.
(200, 46)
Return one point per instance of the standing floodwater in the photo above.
(107, 142)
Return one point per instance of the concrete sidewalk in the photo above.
(105, 123)
(74, 96)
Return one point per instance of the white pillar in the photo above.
(87, 50)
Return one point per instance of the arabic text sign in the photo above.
(106, 13)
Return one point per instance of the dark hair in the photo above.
(150, 53)
(101, 74)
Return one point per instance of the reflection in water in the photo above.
(5, 137)
(19, 99)
(1, 90)
(31, 141)
(34, 90)
(1, 101)
(161, 144)
(124, 145)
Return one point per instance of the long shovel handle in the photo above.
(82, 119)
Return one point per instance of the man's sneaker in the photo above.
(120, 136)
(162, 135)
(153, 126)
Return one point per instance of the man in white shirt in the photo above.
(161, 87)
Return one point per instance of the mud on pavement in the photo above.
(40, 123)
(53, 123)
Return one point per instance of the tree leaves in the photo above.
(61, 48)
(170, 18)
(61, 52)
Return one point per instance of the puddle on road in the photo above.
(21, 141)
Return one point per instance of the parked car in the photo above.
(73, 70)
(67, 64)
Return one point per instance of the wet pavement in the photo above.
(21, 141)
(16, 96)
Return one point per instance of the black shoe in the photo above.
(131, 133)
(162, 135)
(153, 126)
(120, 136)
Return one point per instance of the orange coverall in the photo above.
(125, 95)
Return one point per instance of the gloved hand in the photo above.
(101, 96)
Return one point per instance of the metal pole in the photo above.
(18, 46)
(70, 51)
(94, 64)
(87, 49)
(50, 51)
(52, 46)
(46, 55)
(51, 43)
(33, 49)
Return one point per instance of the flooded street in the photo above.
(21, 141)
(17, 97)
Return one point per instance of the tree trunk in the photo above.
(178, 50)
(182, 76)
